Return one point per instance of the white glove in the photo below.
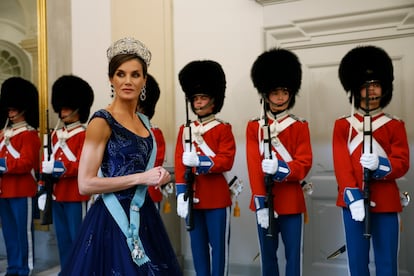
(369, 161)
(190, 159)
(404, 198)
(41, 202)
(357, 210)
(263, 217)
(182, 206)
(269, 166)
(47, 166)
(308, 188)
(167, 189)
(236, 188)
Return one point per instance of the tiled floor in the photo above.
(46, 254)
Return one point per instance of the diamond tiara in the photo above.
(129, 45)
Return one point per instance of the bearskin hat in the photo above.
(21, 94)
(147, 107)
(366, 63)
(72, 92)
(204, 77)
(277, 68)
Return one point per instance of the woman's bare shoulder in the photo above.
(98, 129)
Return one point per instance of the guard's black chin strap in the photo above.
(277, 105)
(17, 115)
(277, 112)
(371, 111)
(210, 103)
(205, 117)
(76, 111)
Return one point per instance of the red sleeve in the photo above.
(221, 140)
(296, 139)
(395, 144)
(156, 194)
(254, 160)
(160, 141)
(342, 161)
(178, 165)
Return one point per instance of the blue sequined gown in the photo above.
(101, 248)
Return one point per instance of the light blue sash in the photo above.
(131, 228)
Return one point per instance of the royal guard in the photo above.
(72, 98)
(279, 156)
(19, 160)
(147, 107)
(370, 151)
(205, 150)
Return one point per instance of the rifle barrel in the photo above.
(269, 188)
(48, 180)
(189, 175)
(367, 147)
(268, 179)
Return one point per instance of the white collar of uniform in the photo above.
(372, 113)
(72, 126)
(207, 119)
(278, 117)
(19, 125)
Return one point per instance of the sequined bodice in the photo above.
(125, 153)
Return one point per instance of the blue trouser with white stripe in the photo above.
(17, 224)
(67, 218)
(385, 242)
(211, 229)
(290, 229)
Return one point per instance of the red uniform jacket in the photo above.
(156, 194)
(211, 188)
(19, 179)
(349, 173)
(66, 189)
(288, 196)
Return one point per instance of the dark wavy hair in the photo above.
(118, 60)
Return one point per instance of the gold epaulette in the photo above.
(299, 119)
(392, 116)
(344, 116)
(221, 121)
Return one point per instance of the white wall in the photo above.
(91, 37)
(229, 32)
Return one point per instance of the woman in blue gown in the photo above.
(122, 233)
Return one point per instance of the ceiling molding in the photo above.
(367, 26)
(271, 2)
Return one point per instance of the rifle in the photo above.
(367, 147)
(268, 178)
(189, 175)
(48, 179)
